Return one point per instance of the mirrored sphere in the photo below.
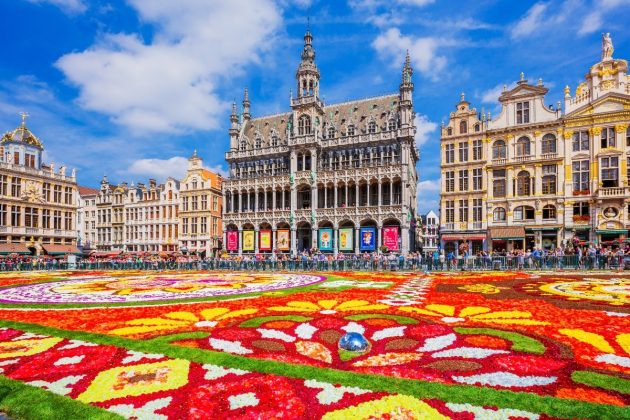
(354, 341)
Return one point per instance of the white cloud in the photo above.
(159, 168)
(424, 127)
(594, 20)
(169, 84)
(532, 20)
(428, 196)
(67, 6)
(491, 96)
(391, 45)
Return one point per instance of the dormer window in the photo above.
(331, 132)
(258, 143)
(274, 140)
(477, 127)
(351, 130)
(391, 126)
(243, 145)
(463, 127)
(449, 131)
(522, 112)
(372, 127)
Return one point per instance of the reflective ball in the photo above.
(354, 341)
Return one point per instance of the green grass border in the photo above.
(481, 396)
(22, 401)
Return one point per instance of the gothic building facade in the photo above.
(537, 175)
(338, 178)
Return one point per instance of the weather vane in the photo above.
(24, 115)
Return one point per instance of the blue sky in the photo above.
(129, 88)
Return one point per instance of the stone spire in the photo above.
(307, 73)
(246, 104)
(406, 93)
(233, 127)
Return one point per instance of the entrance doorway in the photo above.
(304, 237)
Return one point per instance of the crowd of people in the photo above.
(588, 257)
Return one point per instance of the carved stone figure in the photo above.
(607, 47)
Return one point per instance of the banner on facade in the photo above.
(248, 240)
(283, 242)
(232, 240)
(265, 240)
(390, 237)
(325, 239)
(346, 239)
(367, 236)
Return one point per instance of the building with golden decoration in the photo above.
(201, 204)
(536, 176)
(38, 204)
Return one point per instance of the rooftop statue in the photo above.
(607, 47)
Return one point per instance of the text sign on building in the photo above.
(346, 239)
(232, 240)
(284, 240)
(265, 240)
(325, 239)
(248, 240)
(390, 237)
(367, 236)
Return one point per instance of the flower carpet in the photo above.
(174, 345)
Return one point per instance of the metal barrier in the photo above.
(487, 263)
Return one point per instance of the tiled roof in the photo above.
(83, 191)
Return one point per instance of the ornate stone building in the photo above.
(200, 209)
(538, 177)
(137, 218)
(430, 232)
(340, 178)
(38, 205)
(86, 218)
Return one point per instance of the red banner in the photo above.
(390, 237)
(232, 240)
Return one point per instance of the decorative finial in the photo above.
(540, 82)
(24, 115)
(462, 96)
(246, 96)
(522, 77)
(567, 91)
(504, 88)
(195, 153)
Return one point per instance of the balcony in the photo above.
(612, 192)
(449, 226)
(521, 159)
(549, 156)
(477, 225)
(500, 161)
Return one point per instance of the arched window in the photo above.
(449, 131)
(477, 127)
(463, 127)
(549, 212)
(331, 132)
(499, 150)
(274, 139)
(243, 145)
(548, 144)
(391, 125)
(499, 214)
(371, 127)
(523, 146)
(258, 143)
(351, 130)
(304, 125)
(523, 184)
(524, 213)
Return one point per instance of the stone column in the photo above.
(273, 239)
(356, 195)
(256, 237)
(273, 199)
(314, 197)
(335, 241)
(405, 239)
(346, 201)
(325, 196)
(240, 240)
(313, 237)
(356, 240)
(335, 196)
(293, 240)
(379, 200)
(379, 233)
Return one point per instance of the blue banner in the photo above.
(367, 239)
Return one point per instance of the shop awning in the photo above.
(581, 227)
(14, 248)
(464, 237)
(57, 249)
(544, 229)
(507, 233)
(612, 232)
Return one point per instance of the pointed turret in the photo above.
(233, 127)
(406, 93)
(246, 105)
(308, 74)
